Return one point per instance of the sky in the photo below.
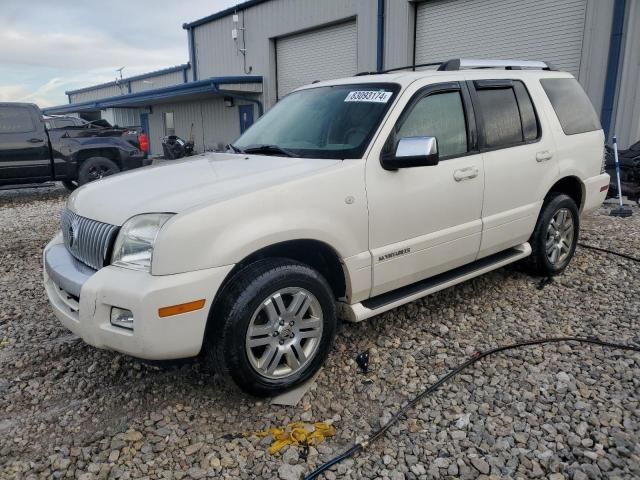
(48, 47)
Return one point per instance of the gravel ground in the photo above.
(68, 410)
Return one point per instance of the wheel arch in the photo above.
(111, 153)
(313, 253)
(571, 186)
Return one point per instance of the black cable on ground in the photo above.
(604, 250)
(433, 387)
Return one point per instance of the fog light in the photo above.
(121, 317)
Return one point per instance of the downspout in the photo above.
(380, 49)
(613, 66)
(192, 53)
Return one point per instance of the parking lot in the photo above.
(557, 411)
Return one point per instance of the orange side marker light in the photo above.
(181, 308)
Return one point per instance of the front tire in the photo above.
(555, 237)
(70, 185)
(95, 168)
(273, 327)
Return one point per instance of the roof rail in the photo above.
(460, 63)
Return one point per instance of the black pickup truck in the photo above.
(31, 153)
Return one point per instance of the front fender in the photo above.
(330, 208)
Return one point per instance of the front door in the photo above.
(246, 117)
(426, 220)
(24, 151)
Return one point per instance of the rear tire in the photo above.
(272, 328)
(95, 168)
(555, 237)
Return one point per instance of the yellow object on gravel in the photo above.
(297, 433)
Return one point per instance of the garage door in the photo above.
(547, 30)
(323, 54)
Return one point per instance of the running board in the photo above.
(387, 301)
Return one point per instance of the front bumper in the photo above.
(82, 299)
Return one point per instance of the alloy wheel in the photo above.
(284, 333)
(560, 236)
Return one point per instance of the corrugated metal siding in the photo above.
(322, 54)
(213, 123)
(99, 93)
(122, 117)
(159, 81)
(218, 54)
(546, 30)
(627, 113)
(398, 34)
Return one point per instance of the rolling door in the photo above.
(322, 54)
(547, 30)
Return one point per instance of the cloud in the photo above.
(74, 51)
(64, 45)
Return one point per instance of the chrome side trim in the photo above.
(65, 271)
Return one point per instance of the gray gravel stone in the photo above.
(68, 410)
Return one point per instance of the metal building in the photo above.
(260, 50)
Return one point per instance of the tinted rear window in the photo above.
(15, 120)
(571, 104)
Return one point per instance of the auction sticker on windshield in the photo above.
(377, 96)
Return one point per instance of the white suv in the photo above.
(348, 198)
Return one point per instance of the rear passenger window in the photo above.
(572, 106)
(15, 120)
(507, 114)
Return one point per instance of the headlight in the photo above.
(134, 244)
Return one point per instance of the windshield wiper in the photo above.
(234, 148)
(267, 149)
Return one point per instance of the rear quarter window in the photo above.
(15, 120)
(572, 106)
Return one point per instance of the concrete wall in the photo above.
(218, 54)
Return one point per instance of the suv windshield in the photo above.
(323, 122)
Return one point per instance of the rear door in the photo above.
(24, 147)
(519, 160)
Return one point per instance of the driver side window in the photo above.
(439, 115)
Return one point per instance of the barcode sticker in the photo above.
(376, 96)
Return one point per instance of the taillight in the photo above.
(144, 142)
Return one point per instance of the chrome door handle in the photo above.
(544, 156)
(465, 174)
(36, 140)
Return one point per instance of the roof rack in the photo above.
(460, 63)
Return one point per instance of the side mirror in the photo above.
(412, 152)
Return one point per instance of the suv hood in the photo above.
(175, 186)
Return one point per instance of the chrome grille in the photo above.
(87, 240)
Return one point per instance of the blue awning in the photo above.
(213, 85)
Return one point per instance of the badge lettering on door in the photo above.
(404, 251)
(379, 96)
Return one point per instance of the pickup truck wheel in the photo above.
(95, 168)
(70, 185)
(555, 237)
(274, 326)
